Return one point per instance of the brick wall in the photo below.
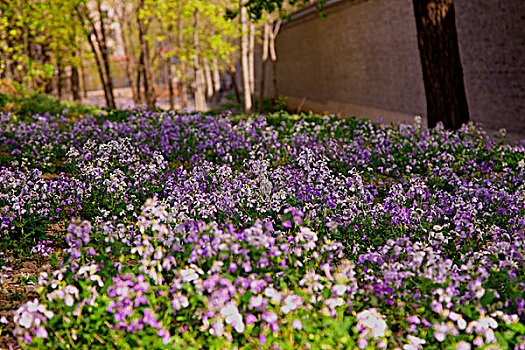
(491, 35)
(363, 60)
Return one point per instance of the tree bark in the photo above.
(273, 56)
(200, 98)
(147, 72)
(244, 59)
(60, 80)
(264, 59)
(101, 55)
(129, 69)
(209, 81)
(75, 84)
(234, 83)
(170, 83)
(103, 46)
(216, 80)
(251, 57)
(440, 60)
(140, 70)
(82, 72)
(183, 91)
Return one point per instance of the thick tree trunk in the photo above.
(440, 60)
(244, 59)
(200, 98)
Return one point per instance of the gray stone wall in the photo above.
(363, 60)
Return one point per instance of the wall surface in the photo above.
(363, 60)
(491, 35)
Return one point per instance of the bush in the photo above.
(42, 104)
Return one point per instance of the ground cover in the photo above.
(158, 230)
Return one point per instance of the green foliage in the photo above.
(42, 104)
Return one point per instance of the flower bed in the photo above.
(271, 232)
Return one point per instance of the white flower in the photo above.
(462, 345)
(371, 324)
(233, 317)
(415, 343)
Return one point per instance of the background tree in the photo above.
(95, 19)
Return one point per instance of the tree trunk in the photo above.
(83, 79)
(75, 84)
(100, 70)
(442, 70)
(264, 60)
(149, 90)
(234, 83)
(140, 69)
(244, 59)
(82, 74)
(273, 56)
(127, 54)
(60, 80)
(200, 98)
(101, 55)
(170, 83)
(251, 57)
(209, 81)
(183, 91)
(216, 80)
(103, 46)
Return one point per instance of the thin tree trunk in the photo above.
(209, 81)
(100, 70)
(170, 83)
(101, 56)
(83, 79)
(264, 60)
(273, 56)
(75, 84)
(183, 91)
(234, 83)
(127, 54)
(251, 57)
(200, 98)
(140, 69)
(105, 56)
(244, 59)
(60, 79)
(216, 79)
(440, 60)
(149, 90)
